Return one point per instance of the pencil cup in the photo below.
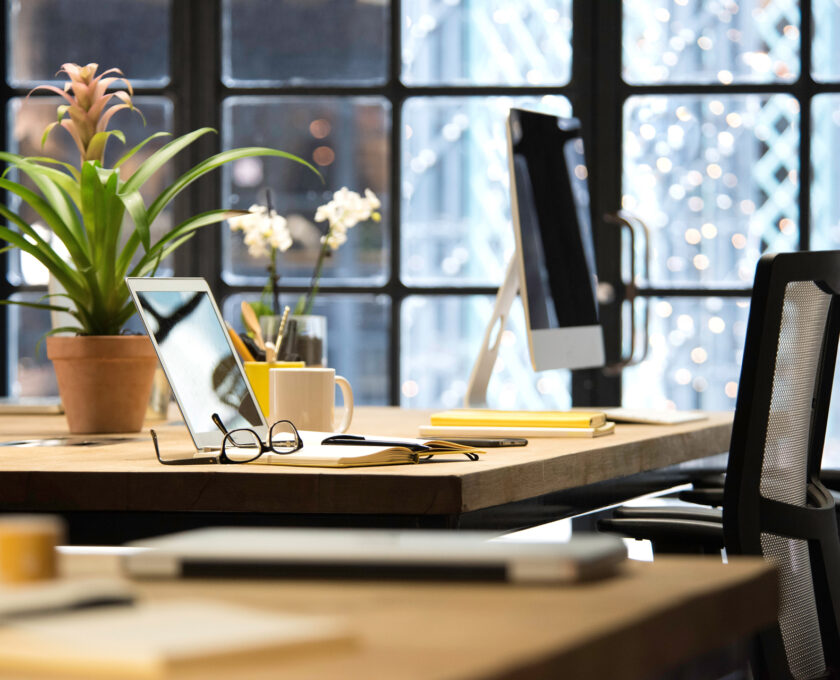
(306, 396)
(257, 372)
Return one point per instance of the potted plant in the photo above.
(99, 216)
(266, 234)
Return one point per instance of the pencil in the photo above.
(281, 329)
(238, 344)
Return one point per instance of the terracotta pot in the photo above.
(105, 381)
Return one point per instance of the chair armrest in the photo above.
(669, 512)
(669, 535)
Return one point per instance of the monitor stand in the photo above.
(476, 396)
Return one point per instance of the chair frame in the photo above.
(746, 514)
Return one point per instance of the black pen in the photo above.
(484, 442)
(359, 440)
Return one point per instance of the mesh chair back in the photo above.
(774, 504)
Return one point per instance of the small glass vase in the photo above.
(270, 325)
(309, 343)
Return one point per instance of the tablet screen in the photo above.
(195, 352)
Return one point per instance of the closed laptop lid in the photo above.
(240, 552)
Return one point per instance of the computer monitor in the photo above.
(553, 266)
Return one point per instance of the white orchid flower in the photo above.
(345, 210)
(263, 231)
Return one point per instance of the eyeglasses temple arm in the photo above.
(181, 461)
(218, 423)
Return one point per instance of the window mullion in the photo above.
(596, 75)
(196, 68)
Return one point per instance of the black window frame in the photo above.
(597, 92)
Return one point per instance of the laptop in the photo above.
(198, 357)
(279, 552)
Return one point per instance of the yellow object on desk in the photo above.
(257, 372)
(490, 417)
(240, 347)
(27, 547)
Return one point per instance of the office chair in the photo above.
(774, 503)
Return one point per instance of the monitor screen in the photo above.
(193, 347)
(551, 216)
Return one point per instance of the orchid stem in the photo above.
(273, 267)
(316, 277)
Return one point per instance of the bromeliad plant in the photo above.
(86, 207)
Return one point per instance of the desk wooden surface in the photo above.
(647, 620)
(127, 477)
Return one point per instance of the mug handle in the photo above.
(347, 394)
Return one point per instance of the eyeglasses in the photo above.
(243, 445)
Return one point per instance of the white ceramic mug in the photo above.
(306, 396)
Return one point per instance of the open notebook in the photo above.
(328, 449)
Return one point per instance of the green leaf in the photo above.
(46, 160)
(88, 188)
(96, 145)
(42, 252)
(135, 206)
(160, 158)
(54, 186)
(53, 220)
(35, 305)
(130, 153)
(211, 164)
(124, 259)
(115, 209)
(69, 185)
(184, 228)
(151, 267)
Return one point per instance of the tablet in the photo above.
(196, 353)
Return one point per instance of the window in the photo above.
(698, 117)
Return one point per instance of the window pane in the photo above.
(825, 60)
(270, 42)
(709, 41)
(347, 140)
(694, 355)
(439, 340)
(132, 36)
(486, 42)
(357, 339)
(455, 188)
(715, 179)
(27, 120)
(825, 166)
(30, 372)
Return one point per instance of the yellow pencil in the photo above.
(240, 346)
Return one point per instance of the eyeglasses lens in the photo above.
(242, 446)
(283, 438)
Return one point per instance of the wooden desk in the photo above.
(126, 480)
(648, 620)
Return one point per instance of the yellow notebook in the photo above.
(444, 431)
(489, 417)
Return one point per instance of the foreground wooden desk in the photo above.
(636, 626)
(124, 484)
